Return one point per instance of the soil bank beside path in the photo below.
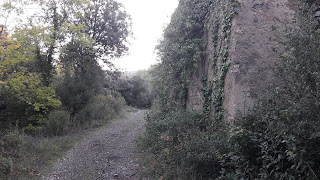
(108, 153)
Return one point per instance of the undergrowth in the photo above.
(26, 157)
(182, 150)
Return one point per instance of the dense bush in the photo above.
(82, 78)
(5, 167)
(276, 141)
(11, 144)
(182, 150)
(57, 123)
(135, 91)
(102, 109)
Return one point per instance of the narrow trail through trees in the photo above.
(108, 153)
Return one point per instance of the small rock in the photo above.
(115, 175)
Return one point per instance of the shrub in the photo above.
(278, 141)
(136, 92)
(182, 149)
(5, 167)
(101, 109)
(12, 142)
(57, 123)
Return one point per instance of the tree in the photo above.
(75, 35)
(135, 91)
(98, 32)
(82, 76)
(24, 99)
(109, 25)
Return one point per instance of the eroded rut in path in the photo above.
(106, 154)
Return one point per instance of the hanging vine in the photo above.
(220, 34)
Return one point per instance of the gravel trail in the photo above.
(107, 154)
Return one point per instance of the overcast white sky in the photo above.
(149, 18)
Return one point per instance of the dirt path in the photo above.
(106, 154)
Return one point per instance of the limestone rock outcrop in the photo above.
(248, 50)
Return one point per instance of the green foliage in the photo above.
(28, 89)
(183, 150)
(109, 25)
(135, 91)
(12, 142)
(98, 31)
(71, 37)
(276, 141)
(100, 110)
(64, 42)
(57, 123)
(22, 89)
(11, 145)
(183, 52)
(219, 24)
(5, 167)
(191, 146)
(181, 49)
(81, 77)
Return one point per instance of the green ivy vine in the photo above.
(220, 32)
(182, 49)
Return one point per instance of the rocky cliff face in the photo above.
(240, 38)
